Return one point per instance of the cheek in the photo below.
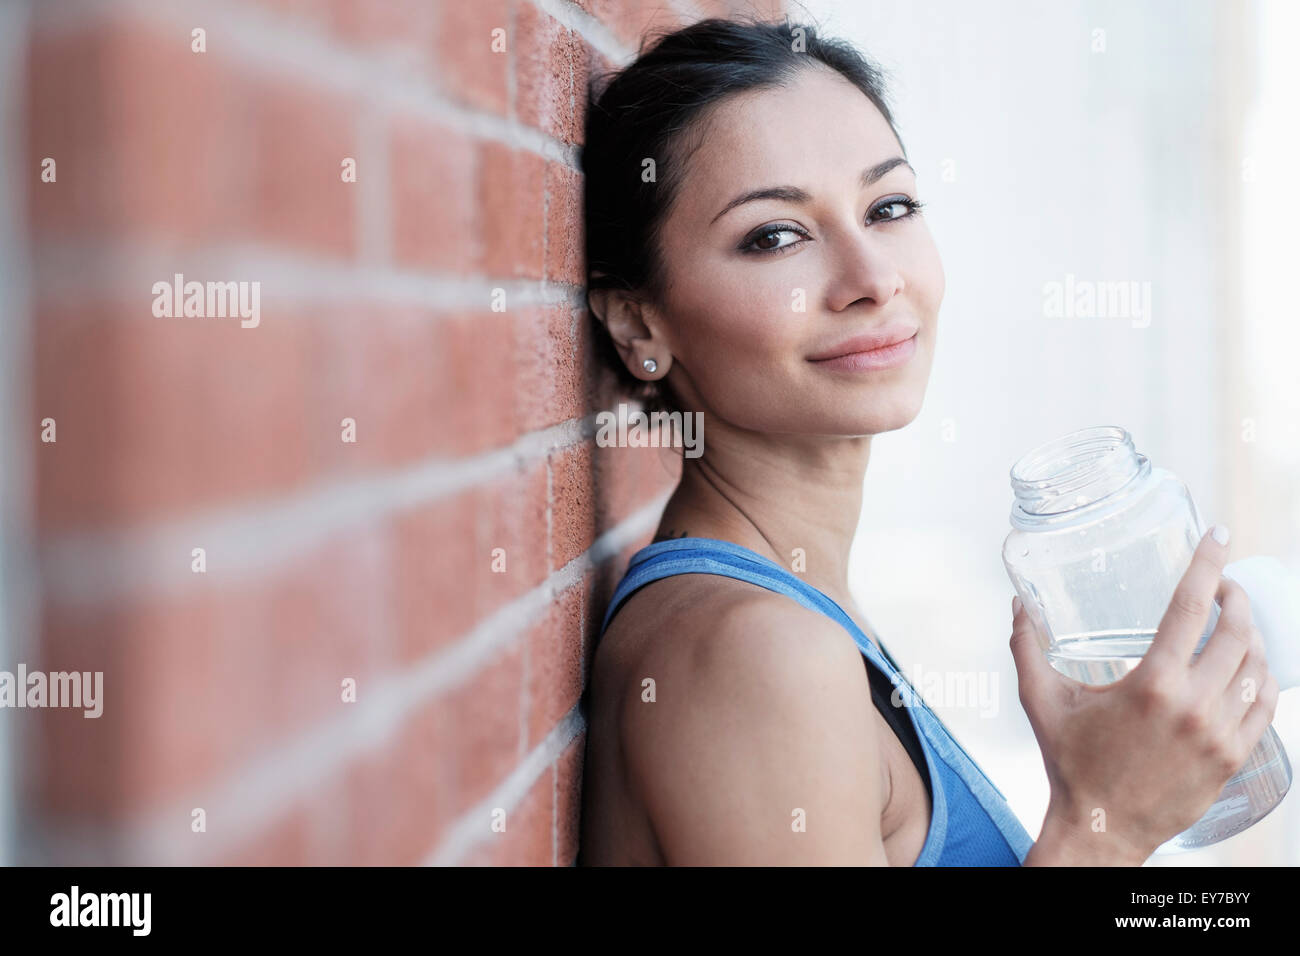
(739, 342)
(927, 276)
(738, 320)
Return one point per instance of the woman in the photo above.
(757, 254)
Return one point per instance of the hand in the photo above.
(1134, 763)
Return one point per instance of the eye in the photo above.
(898, 208)
(766, 239)
(762, 239)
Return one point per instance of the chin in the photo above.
(887, 413)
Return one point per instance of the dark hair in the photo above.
(649, 109)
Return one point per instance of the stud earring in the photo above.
(649, 365)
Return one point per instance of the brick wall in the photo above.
(323, 560)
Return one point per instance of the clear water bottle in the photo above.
(1099, 542)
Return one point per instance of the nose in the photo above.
(864, 268)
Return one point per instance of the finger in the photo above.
(1183, 624)
(1038, 679)
(1221, 657)
(1244, 687)
(1259, 716)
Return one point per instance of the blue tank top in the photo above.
(971, 823)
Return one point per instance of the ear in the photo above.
(631, 324)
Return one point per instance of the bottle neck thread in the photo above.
(1074, 472)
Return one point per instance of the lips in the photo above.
(892, 334)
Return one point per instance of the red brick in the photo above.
(386, 807)
(312, 831)
(386, 368)
(196, 686)
(717, 8)
(554, 367)
(550, 75)
(313, 623)
(375, 828)
(442, 580)
(555, 677)
(303, 9)
(633, 20)
(573, 502)
(433, 552)
(129, 115)
(468, 66)
(433, 549)
(474, 371)
(483, 715)
(288, 842)
(511, 205)
(565, 254)
(170, 413)
(154, 140)
(381, 22)
(295, 194)
(434, 182)
(159, 144)
(511, 515)
(397, 806)
(174, 699)
(568, 800)
(527, 838)
(596, 488)
(386, 28)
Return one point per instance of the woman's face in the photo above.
(760, 290)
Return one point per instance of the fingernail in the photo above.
(1015, 605)
(1219, 533)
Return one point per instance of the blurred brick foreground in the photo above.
(326, 560)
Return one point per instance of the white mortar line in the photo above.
(601, 37)
(245, 540)
(474, 827)
(274, 44)
(254, 795)
(69, 271)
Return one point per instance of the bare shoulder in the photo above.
(745, 722)
(692, 618)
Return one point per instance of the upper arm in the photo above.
(759, 747)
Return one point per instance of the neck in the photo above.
(774, 494)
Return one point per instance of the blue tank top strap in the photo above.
(971, 823)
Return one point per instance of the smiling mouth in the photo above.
(884, 357)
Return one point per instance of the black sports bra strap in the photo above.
(882, 696)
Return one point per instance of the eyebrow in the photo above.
(795, 194)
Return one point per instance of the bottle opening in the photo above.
(1075, 470)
